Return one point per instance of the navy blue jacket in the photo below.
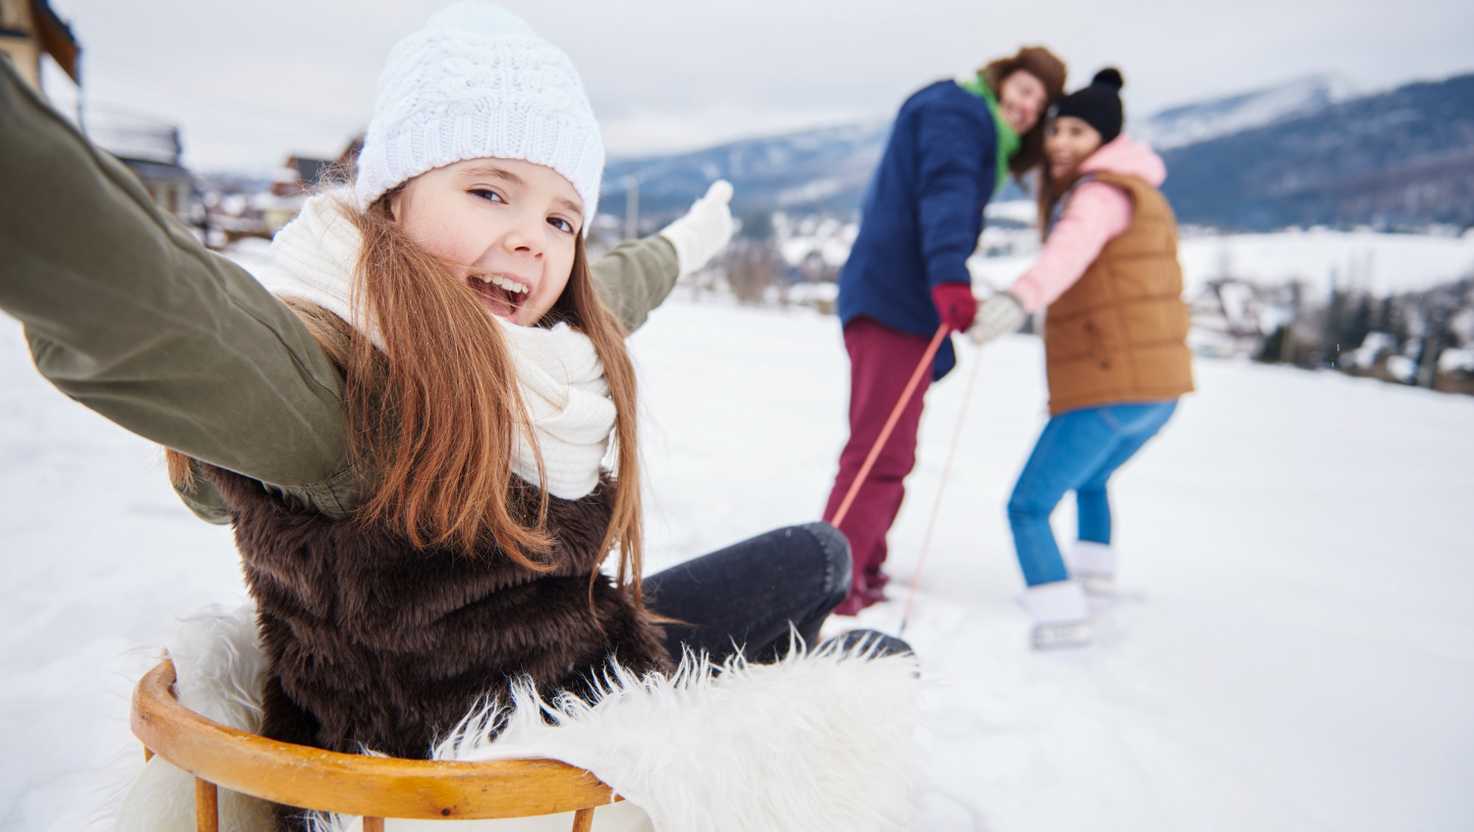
(922, 213)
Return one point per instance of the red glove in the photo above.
(955, 304)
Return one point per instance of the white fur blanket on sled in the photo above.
(823, 740)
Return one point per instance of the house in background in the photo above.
(30, 29)
(294, 180)
(299, 175)
(152, 148)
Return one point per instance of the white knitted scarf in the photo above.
(558, 371)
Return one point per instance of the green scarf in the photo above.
(1009, 141)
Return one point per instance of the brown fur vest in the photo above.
(376, 645)
(1120, 333)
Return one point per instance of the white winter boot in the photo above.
(1061, 617)
(1093, 565)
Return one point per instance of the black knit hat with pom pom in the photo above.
(1098, 105)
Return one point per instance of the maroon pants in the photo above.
(881, 362)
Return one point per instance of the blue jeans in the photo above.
(747, 596)
(1078, 451)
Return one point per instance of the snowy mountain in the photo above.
(1304, 153)
(827, 169)
(1400, 159)
(812, 170)
(1199, 121)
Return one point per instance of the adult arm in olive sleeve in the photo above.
(128, 314)
(635, 278)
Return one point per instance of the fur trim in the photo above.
(220, 669)
(219, 666)
(821, 740)
(375, 644)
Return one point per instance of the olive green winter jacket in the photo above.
(128, 314)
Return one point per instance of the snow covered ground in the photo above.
(1293, 649)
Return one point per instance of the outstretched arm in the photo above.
(128, 314)
(637, 276)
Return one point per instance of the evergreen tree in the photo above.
(1358, 325)
(1382, 320)
(1272, 351)
(1398, 319)
(1332, 343)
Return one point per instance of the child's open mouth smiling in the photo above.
(501, 294)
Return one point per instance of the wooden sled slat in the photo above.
(354, 784)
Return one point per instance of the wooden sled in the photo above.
(373, 788)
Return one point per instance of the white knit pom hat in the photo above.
(477, 82)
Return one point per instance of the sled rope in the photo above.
(936, 508)
(890, 425)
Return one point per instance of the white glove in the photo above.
(704, 230)
(999, 315)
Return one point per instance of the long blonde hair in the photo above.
(432, 417)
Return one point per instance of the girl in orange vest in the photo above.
(1115, 337)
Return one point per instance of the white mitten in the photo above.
(999, 315)
(704, 230)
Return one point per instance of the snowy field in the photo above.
(1369, 261)
(1294, 649)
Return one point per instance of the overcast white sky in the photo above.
(250, 83)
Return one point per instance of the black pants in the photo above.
(744, 597)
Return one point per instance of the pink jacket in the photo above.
(1095, 213)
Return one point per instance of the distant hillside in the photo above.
(1299, 153)
(1399, 159)
(810, 171)
(1200, 121)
